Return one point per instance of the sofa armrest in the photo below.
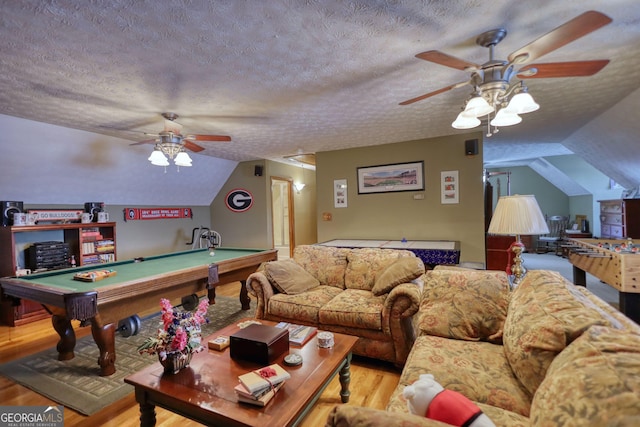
(401, 303)
(347, 415)
(259, 286)
(399, 308)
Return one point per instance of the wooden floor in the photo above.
(372, 382)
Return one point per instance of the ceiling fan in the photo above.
(172, 134)
(170, 143)
(491, 81)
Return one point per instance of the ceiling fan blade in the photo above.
(223, 138)
(192, 146)
(566, 33)
(437, 92)
(446, 60)
(146, 141)
(562, 69)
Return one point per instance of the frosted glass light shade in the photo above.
(505, 118)
(477, 107)
(522, 103)
(183, 159)
(518, 215)
(465, 122)
(157, 158)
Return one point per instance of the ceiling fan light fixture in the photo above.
(465, 122)
(157, 158)
(477, 107)
(183, 159)
(522, 103)
(505, 118)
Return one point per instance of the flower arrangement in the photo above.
(180, 332)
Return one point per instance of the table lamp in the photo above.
(518, 215)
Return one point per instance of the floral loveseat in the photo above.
(370, 293)
(547, 354)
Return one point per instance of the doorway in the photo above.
(283, 226)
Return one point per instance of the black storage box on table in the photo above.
(259, 343)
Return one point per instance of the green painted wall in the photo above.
(253, 228)
(396, 215)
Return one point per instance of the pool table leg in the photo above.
(245, 301)
(67, 342)
(105, 338)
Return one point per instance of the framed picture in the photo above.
(394, 177)
(450, 187)
(340, 193)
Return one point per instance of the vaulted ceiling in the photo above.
(286, 76)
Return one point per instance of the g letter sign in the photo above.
(239, 200)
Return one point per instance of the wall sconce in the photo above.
(298, 186)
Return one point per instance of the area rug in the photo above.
(76, 383)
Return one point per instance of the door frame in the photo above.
(292, 222)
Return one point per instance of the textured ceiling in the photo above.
(288, 76)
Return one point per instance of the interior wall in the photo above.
(414, 215)
(600, 185)
(250, 228)
(253, 228)
(525, 180)
(43, 163)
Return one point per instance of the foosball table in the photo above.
(614, 262)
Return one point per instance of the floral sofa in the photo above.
(370, 293)
(549, 353)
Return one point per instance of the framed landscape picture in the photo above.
(393, 177)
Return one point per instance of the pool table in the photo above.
(138, 285)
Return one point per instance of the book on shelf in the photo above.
(298, 334)
(258, 399)
(264, 378)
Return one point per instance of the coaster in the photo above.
(293, 359)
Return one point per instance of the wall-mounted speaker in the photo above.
(8, 209)
(471, 147)
(257, 170)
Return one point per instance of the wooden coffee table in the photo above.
(204, 391)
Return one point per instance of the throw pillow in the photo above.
(464, 304)
(289, 277)
(403, 270)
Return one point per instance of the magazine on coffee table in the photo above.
(298, 334)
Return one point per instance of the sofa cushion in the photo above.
(479, 370)
(289, 277)
(365, 264)
(546, 313)
(325, 263)
(301, 307)
(353, 308)
(466, 305)
(400, 271)
(597, 379)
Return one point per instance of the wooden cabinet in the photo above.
(620, 218)
(91, 243)
(498, 254)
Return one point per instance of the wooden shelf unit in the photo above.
(14, 240)
(620, 218)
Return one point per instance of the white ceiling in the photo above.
(283, 76)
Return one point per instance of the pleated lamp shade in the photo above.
(518, 215)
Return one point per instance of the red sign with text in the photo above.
(133, 214)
